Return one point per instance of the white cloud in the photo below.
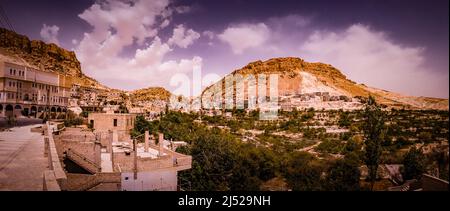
(209, 34)
(245, 36)
(151, 56)
(165, 23)
(367, 56)
(50, 33)
(182, 37)
(118, 25)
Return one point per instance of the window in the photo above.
(14, 71)
(10, 71)
(92, 123)
(115, 122)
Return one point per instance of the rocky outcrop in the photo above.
(150, 94)
(299, 80)
(43, 56)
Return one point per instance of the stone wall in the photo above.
(430, 183)
(56, 171)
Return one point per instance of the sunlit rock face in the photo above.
(301, 84)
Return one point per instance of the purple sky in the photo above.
(400, 46)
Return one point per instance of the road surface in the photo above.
(22, 160)
(22, 121)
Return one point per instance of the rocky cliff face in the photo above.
(43, 56)
(304, 84)
(150, 94)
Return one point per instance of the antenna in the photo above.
(4, 19)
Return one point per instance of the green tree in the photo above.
(303, 173)
(344, 119)
(344, 174)
(213, 161)
(373, 128)
(414, 164)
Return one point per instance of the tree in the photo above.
(213, 161)
(373, 127)
(303, 173)
(344, 174)
(414, 164)
(344, 119)
(439, 156)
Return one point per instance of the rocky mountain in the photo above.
(303, 84)
(40, 55)
(150, 94)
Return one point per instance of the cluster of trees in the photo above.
(72, 119)
(221, 161)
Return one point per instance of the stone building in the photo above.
(26, 91)
(118, 124)
(109, 151)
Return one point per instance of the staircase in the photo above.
(98, 179)
(82, 161)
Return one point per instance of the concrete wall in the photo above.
(105, 122)
(56, 171)
(430, 183)
(148, 181)
(50, 183)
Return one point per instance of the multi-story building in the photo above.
(26, 91)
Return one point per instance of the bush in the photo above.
(61, 116)
(73, 122)
(343, 175)
(330, 146)
(414, 164)
(303, 173)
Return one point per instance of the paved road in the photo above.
(22, 121)
(22, 160)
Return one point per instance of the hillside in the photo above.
(303, 83)
(149, 94)
(40, 55)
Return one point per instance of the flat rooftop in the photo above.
(121, 147)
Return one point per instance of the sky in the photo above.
(396, 45)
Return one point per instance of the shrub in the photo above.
(414, 164)
(73, 122)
